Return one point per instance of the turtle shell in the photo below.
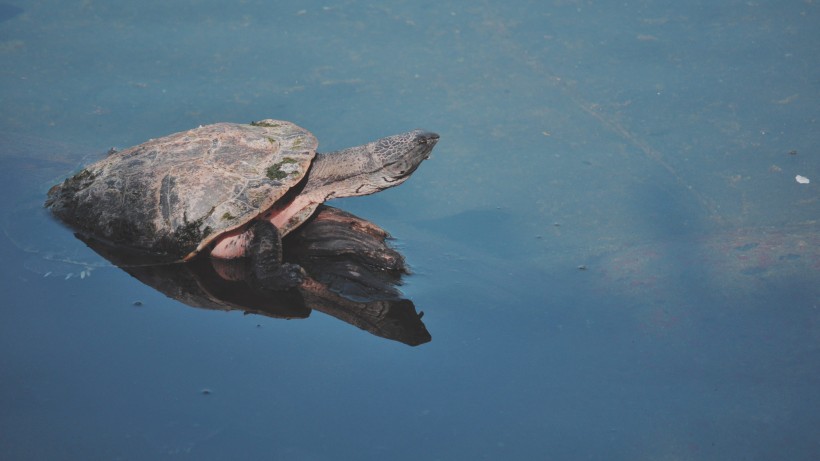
(175, 195)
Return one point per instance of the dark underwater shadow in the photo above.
(353, 275)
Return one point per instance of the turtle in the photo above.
(228, 190)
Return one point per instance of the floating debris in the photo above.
(787, 99)
(802, 179)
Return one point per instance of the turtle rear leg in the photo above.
(265, 251)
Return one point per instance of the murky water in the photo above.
(613, 254)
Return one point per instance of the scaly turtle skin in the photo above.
(231, 189)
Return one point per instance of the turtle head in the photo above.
(369, 168)
(396, 157)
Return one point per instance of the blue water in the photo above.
(612, 252)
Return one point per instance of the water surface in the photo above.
(613, 255)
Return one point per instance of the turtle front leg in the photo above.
(265, 251)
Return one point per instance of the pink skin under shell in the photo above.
(234, 244)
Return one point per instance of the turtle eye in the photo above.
(425, 137)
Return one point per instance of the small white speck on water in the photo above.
(47, 274)
(71, 274)
(802, 179)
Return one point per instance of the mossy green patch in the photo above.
(83, 176)
(189, 234)
(276, 172)
(265, 124)
(66, 193)
(227, 216)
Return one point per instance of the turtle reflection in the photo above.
(352, 274)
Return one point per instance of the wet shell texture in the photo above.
(174, 195)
